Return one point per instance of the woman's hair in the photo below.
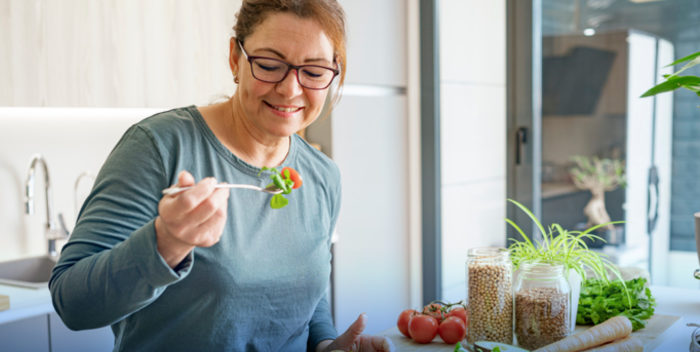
(327, 13)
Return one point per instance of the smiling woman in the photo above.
(242, 277)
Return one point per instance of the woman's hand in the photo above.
(192, 218)
(353, 340)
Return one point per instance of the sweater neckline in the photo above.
(237, 162)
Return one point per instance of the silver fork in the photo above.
(272, 189)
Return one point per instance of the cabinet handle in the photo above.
(520, 139)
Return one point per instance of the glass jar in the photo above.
(489, 295)
(542, 305)
(694, 338)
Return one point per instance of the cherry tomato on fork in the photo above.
(293, 175)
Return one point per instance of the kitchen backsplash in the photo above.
(72, 141)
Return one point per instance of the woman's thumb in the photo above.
(355, 329)
(185, 178)
(358, 326)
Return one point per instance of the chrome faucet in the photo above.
(51, 231)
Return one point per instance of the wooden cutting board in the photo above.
(651, 336)
(4, 302)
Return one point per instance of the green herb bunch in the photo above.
(601, 300)
(560, 246)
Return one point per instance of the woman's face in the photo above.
(281, 109)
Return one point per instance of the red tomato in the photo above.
(452, 330)
(402, 323)
(458, 312)
(434, 310)
(294, 176)
(422, 328)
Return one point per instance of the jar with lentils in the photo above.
(542, 304)
(489, 295)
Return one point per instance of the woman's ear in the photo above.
(233, 56)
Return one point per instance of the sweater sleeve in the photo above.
(321, 326)
(110, 267)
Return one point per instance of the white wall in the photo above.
(107, 53)
(72, 141)
(473, 126)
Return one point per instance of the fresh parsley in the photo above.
(601, 300)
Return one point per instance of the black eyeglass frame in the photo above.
(250, 59)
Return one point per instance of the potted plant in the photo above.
(598, 176)
(559, 246)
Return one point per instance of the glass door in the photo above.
(597, 152)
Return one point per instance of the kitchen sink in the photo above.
(31, 272)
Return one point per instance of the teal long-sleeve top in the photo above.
(263, 287)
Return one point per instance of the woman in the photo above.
(210, 269)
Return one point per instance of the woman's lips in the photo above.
(284, 110)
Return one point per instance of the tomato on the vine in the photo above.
(423, 328)
(434, 310)
(458, 312)
(404, 317)
(293, 175)
(452, 330)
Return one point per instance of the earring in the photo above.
(235, 79)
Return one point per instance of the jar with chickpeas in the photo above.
(489, 274)
(542, 304)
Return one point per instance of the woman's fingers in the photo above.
(212, 213)
(188, 200)
(217, 201)
(350, 338)
(378, 344)
(185, 179)
(195, 216)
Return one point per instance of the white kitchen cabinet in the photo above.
(47, 332)
(66, 340)
(29, 334)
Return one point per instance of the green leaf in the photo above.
(278, 201)
(531, 215)
(279, 182)
(687, 58)
(672, 83)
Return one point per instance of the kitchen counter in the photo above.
(674, 306)
(31, 324)
(684, 303)
(25, 303)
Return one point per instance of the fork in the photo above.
(272, 189)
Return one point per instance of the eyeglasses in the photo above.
(271, 70)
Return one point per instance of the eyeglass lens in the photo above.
(309, 76)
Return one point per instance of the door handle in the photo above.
(652, 199)
(520, 139)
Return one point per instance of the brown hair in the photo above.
(328, 13)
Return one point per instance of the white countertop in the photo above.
(682, 302)
(25, 303)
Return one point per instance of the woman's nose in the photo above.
(290, 86)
